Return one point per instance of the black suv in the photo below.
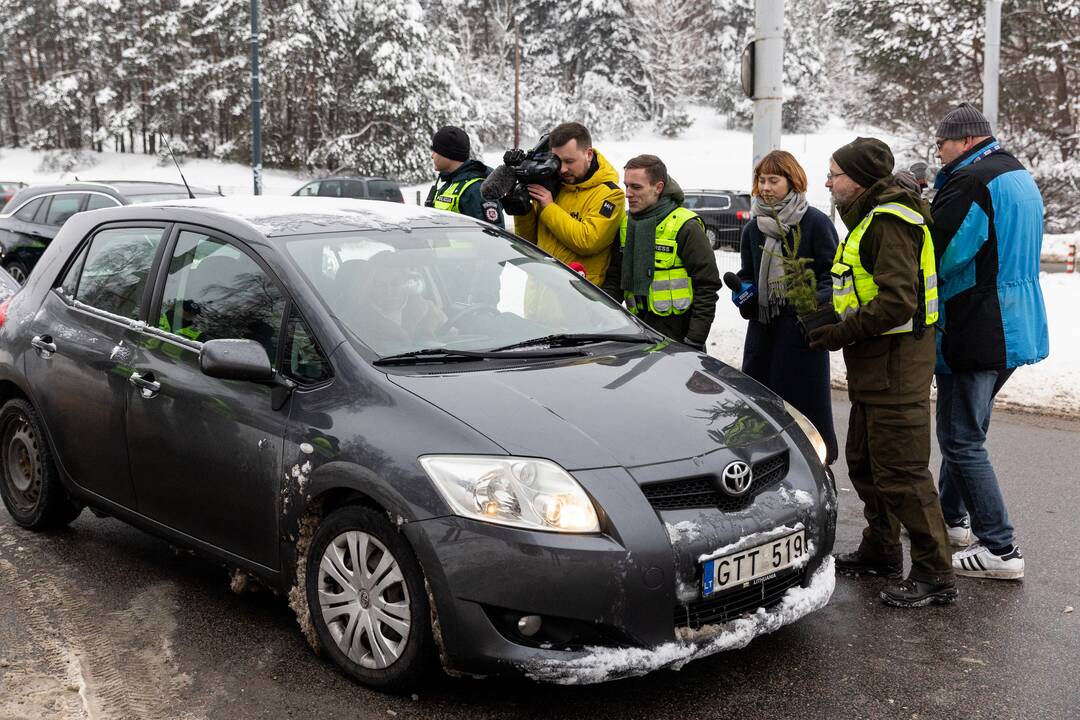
(35, 214)
(725, 212)
(360, 187)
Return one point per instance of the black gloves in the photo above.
(829, 337)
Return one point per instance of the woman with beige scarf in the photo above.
(775, 352)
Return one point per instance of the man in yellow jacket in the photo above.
(580, 223)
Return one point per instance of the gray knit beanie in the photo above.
(963, 121)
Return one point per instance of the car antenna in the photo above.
(181, 172)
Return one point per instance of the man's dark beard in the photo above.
(592, 169)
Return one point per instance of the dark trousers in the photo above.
(888, 457)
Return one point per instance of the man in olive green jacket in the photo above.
(889, 371)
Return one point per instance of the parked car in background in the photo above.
(35, 214)
(8, 188)
(724, 212)
(358, 403)
(360, 187)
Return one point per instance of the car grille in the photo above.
(733, 603)
(700, 492)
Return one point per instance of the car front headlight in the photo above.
(520, 492)
(811, 432)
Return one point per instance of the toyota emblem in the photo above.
(737, 478)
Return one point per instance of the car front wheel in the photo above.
(367, 600)
(29, 482)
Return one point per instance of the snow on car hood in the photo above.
(640, 407)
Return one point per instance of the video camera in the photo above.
(538, 166)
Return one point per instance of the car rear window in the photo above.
(26, 214)
(384, 190)
(63, 207)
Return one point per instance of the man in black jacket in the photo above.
(458, 187)
(662, 264)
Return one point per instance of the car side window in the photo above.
(330, 188)
(96, 202)
(113, 274)
(215, 291)
(355, 189)
(304, 362)
(311, 188)
(63, 207)
(384, 190)
(27, 212)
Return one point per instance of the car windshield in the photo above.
(453, 288)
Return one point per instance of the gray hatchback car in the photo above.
(442, 444)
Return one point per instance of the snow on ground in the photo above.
(233, 178)
(1056, 247)
(708, 155)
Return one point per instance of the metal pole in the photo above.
(992, 62)
(517, 88)
(256, 101)
(768, 75)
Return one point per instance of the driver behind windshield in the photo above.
(393, 307)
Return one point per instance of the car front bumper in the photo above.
(611, 604)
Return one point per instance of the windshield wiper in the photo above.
(571, 339)
(438, 355)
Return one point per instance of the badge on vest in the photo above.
(491, 211)
(445, 199)
(607, 208)
(665, 249)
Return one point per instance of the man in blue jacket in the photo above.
(987, 229)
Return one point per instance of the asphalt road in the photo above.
(103, 621)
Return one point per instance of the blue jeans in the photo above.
(967, 483)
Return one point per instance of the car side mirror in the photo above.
(236, 360)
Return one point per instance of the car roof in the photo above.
(119, 188)
(139, 187)
(280, 215)
(350, 177)
(699, 191)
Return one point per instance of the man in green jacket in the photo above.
(662, 264)
(885, 292)
(458, 187)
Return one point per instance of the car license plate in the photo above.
(745, 566)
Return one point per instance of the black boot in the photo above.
(855, 563)
(916, 593)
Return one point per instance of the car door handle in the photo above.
(44, 345)
(146, 384)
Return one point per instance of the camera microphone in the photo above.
(500, 182)
(732, 281)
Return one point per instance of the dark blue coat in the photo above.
(988, 227)
(777, 355)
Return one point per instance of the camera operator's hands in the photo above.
(540, 194)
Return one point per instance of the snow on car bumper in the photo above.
(597, 665)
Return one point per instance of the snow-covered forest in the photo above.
(364, 82)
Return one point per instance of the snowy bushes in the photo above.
(67, 161)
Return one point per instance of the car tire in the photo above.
(714, 237)
(29, 481)
(389, 651)
(17, 271)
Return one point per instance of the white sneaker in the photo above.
(960, 535)
(978, 561)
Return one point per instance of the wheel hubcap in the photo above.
(364, 600)
(17, 274)
(22, 463)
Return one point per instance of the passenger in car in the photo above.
(776, 352)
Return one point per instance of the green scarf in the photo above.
(639, 255)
